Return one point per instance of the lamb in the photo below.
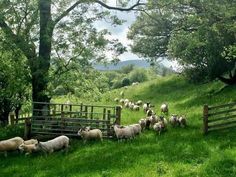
(136, 108)
(159, 127)
(182, 121)
(174, 120)
(126, 132)
(142, 123)
(28, 148)
(87, 134)
(164, 108)
(131, 105)
(153, 119)
(10, 144)
(136, 128)
(50, 146)
(163, 119)
(31, 141)
(149, 112)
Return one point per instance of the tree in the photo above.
(200, 35)
(20, 22)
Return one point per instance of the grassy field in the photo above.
(177, 152)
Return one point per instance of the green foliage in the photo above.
(200, 35)
(138, 75)
(125, 81)
(127, 69)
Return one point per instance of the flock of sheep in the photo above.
(157, 123)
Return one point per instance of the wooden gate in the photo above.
(67, 119)
(219, 117)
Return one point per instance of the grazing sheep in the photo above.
(131, 105)
(50, 146)
(28, 148)
(126, 101)
(31, 141)
(163, 119)
(10, 144)
(126, 105)
(116, 100)
(147, 123)
(88, 134)
(124, 133)
(142, 123)
(164, 108)
(174, 120)
(136, 108)
(149, 112)
(159, 127)
(153, 119)
(122, 101)
(136, 128)
(139, 103)
(146, 106)
(182, 121)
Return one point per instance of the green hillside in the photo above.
(177, 152)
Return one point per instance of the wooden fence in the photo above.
(67, 119)
(219, 117)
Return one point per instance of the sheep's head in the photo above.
(21, 147)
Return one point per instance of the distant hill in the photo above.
(118, 66)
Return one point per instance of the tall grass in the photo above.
(177, 152)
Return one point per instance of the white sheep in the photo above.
(149, 112)
(31, 141)
(131, 105)
(147, 123)
(153, 119)
(146, 106)
(123, 133)
(164, 108)
(126, 105)
(126, 101)
(50, 146)
(139, 102)
(163, 119)
(159, 127)
(136, 108)
(28, 148)
(87, 134)
(10, 144)
(136, 128)
(182, 121)
(174, 120)
(122, 101)
(116, 100)
(142, 123)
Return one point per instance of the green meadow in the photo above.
(177, 152)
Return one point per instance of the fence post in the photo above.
(12, 118)
(118, 115)
(109, 123)
(27, 132)
(62, 118)
(205, 119)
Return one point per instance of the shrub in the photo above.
(138, 75)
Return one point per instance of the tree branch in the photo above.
(119, 8)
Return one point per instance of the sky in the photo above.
(120, 32)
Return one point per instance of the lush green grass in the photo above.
(177, 152)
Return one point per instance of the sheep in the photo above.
(182, 121)
(159, 127)
(149, 112)
(10, 144)
(136, 108)
(50, 146)
(139, 102)
(122, 101)
(31, 141)
(116, 100)
(87, 134)
(127, 105)
(135, 83)
(136, 128)
(147, 122)
(164, 108)
(28, 148)
(153, 119)
(146, 106)
(163, 119)
(142, 123)
(126, 132)
(126, 101)
(131, 105)
(174, 120)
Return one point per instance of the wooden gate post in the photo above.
(27, 133)
(205, 119)
(118, 115)
(12, 118)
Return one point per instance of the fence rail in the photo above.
(219, 117)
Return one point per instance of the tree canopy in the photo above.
(200, 35)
